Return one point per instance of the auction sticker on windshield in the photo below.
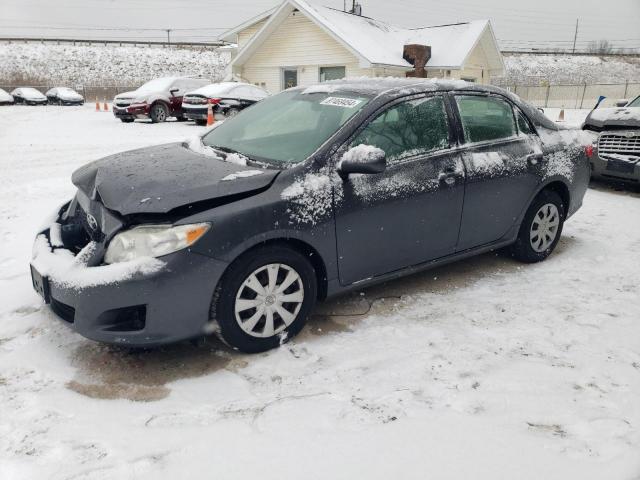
(341, 102)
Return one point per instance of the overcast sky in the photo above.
(516, 23)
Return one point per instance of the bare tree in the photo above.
(600, 46)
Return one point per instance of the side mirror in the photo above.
(622, 102)
(174, 90)
(362, 159)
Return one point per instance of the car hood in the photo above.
(614, 117)
(70, 96)
(125, 96)
(33, 96)
(161, 178)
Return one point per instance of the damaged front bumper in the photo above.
(146, 302)
(617, 156)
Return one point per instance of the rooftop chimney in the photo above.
(418, 56)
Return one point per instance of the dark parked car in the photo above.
(157, 100)
(28, 96)
(303, 196)
(226, 99)
(64, 96)
(617, 150)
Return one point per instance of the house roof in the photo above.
(230, 35)
(377, 43)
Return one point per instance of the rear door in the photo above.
(502, 156)
(410, 213)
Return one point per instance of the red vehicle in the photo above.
(157, 99)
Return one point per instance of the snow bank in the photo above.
(67, 270)
(527, 68)
(105, 64)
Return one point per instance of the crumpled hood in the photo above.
(161, 178)
(618, 117)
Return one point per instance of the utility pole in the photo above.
(168, 36)
(575, 37)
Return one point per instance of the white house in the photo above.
(301, 44)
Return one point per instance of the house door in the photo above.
(289, 78)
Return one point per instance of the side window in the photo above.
(408, 129)
(523, 124)
(485, 118)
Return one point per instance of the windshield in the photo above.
(635, 103)
(156, 85)
(286, 128)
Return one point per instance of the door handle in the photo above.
(535, 158)
(449, 177)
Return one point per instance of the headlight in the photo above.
(153, 241)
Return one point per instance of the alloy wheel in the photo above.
(544, 228)
(269, 299)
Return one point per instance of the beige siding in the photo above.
(245, 35)
(300, 43)
(476, 66)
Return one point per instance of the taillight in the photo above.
(214, 101)
(589, 150)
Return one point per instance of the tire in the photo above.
(263, 264)
(232, 112)
(181, 118)
(159, 112)
(126, 120)
(546, 214)
(201, 122)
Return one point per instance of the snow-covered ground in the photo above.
(482, 369)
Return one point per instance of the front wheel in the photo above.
(264, 298)
(541, 228)
(159, 112)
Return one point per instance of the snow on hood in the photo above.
(161, 178)
(125, 95)
(620, 116)
(68, 94)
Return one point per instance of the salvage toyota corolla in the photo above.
(302, 196)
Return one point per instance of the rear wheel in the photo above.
(264, 298)
(159, 112)
(541, 228)
(201, 122)
(232, 112)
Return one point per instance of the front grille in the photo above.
(94, 234)
(122, 103)
(619, 144)
(64, 311)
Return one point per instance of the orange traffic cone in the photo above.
(561, 116)
(210, 118)
(97, 104)
(105, 106)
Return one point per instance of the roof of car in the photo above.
(392, 87)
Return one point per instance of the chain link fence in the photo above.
(574, 96)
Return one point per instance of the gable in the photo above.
(297, 41)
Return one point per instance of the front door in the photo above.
(289, 78)
(410, 213)
(503, 162)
